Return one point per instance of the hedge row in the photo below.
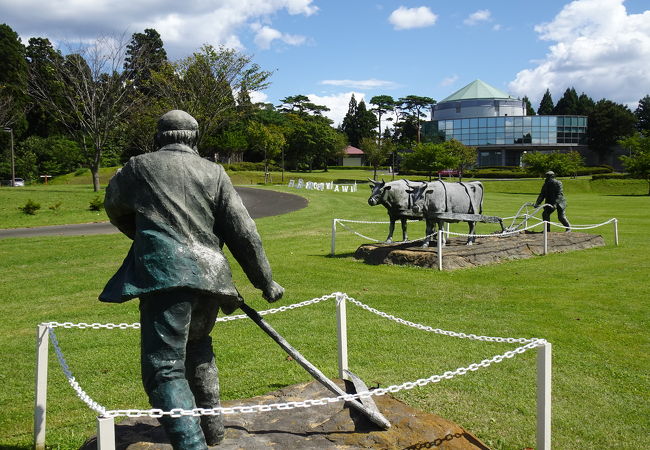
(355, 168)
(250, 167)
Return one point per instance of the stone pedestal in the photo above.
(331, 426)
(488, 250)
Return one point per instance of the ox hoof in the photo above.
(425, 245)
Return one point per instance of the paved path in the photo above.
(259, 202)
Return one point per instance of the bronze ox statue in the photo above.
(394, 196)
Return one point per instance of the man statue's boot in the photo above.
(184, 432)
(203, 377)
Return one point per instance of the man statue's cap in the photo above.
(550, 173)
(177, 120)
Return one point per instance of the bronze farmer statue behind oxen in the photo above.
(397, 201)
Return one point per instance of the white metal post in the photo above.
(105, 433)
(544, 369)
(40, 403)
(333, 250)
(616, 232)
(545, 223)
(342, 332)
(440, 249)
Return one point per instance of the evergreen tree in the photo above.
(382, 105)
(349, 125)
(144, 54)
(568, 104)
(546, 105)
(530, 111)
(642, 114)
(585, 105)
(366, 121)
(13, 80)
(42, 61)
(416, 105)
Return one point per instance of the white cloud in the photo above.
(449, 80)
(183, 26)
(337, 103)
(371, 83)
(597, 48)
(406, 18)
(482, 15)
(258, 97)
(265, 35)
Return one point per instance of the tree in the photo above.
(94, 96)
(312, 142)
(546, 104)
(642, 114)
(530, 111)
(382, 105)
(203, 85)
(461, 156)
(43, 60)
(267, 139)
(609, 122)
(144, 54)
(300, 104)
(638, 161)
(375, 154)
(563, 164)
(415, 105)
(427, 157)
(568, 104)
(585, 105)
(13, 79)
(358, 123)
(349, 125)
(54, 155)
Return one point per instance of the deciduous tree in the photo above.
(205, 83)
(609, 122)
(638, 161)
(95, 95)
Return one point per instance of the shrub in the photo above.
(250, 166)
(611, 176)
(96, 204)
(55, 207)
(30, 207)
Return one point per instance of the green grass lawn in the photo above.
(592, 305)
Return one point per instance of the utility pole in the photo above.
(13, 166)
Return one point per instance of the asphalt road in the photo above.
(259, 202)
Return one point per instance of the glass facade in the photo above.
(515, 130)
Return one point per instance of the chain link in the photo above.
(247, 409)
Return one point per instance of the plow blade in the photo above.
(366, 406)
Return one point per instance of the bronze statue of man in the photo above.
(553, 195)
(180, 209)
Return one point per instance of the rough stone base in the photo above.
(331, 426)
(488, 250)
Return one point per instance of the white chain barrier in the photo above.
(529, 343)
(539, 222)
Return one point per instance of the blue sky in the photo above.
(331, 49)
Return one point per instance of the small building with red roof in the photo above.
(353, 157)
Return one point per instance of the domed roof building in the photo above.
(478, 99)
(482, 116)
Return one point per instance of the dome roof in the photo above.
(475, 90)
